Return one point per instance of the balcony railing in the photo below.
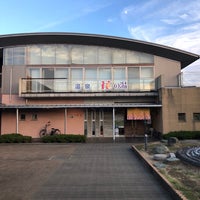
(60, 85)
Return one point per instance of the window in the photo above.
(90, 83)
(134, 78)
(48, 54)
(90, 55)
(63, 54)
(104, 55)
(34, 117)
(181, 117)
(8, 56)
(60, 82)
(19, 56)
(34, 54)
(77, 55)
(22, 117)
(118, 56)
(196, 117)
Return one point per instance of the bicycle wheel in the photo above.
(42, 132)
(57, 131)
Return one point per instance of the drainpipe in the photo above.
(17, 120)
(113, 124)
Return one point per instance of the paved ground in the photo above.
(75, 171)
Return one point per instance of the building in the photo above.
(96, 85)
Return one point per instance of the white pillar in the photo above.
(113, 124)
(65, 121)
(17, 120)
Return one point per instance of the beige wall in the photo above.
(74, 121)
(180, 100)
(168, 69)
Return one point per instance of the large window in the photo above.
(91, 79)
(72, 54)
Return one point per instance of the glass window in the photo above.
(91, 82)
(34, 85)
(19, 56)
(104, 74)
(34, 54)
(77, 74)
(48, 73)
(196, 116)
(61, 73)
(90, 55)
(8, 56)
(133, 72)
(90, 74)
(61, 82)
(119, 74)
(22, 117)
(63, 54)
(48, 54)
(34, 117)
(118, 56)
(145, 58)
(77, 55)
(104, 55)
(146, 72)
(181, 117)
(134, 78)
(132, 57)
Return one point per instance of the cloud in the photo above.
(82, 12)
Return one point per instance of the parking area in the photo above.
(75, 171)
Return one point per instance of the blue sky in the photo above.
(174, 23)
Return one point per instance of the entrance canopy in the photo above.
(138, 114)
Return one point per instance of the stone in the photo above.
(171, 158)
(160, 157)
(160, 149)
(172, 141)
(159, 165)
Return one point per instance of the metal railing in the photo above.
(61, 85)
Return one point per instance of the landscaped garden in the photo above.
(182, 173)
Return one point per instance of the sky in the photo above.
(174, 23)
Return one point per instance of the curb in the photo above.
(175, 194)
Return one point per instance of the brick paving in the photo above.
(101, 171)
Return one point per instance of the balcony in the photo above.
(58, 87)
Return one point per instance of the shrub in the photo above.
(15, 138)
(183, 135)
(64, 138)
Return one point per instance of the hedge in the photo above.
(15, 138)
(183, 135)
(64, 138)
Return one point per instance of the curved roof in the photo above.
(184, 57)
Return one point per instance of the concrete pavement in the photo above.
(100, 171)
